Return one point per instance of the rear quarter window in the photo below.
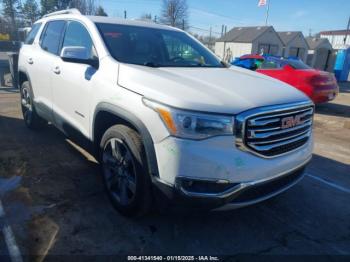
(32, 34)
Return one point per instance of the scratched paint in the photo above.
(171, 149)
(239, 162)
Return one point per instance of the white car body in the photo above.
(77, 93)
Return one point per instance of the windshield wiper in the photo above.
(150, 64)
(225, 64)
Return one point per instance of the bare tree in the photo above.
(86, 7)
(90, 7)
(175, 13)
(146, 16)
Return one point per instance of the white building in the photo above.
(336, 38)
(248, 40)
(295, 45)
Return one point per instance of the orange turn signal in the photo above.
(168, 119)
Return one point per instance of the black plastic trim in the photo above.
(141, 128)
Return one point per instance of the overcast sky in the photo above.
(285, 15)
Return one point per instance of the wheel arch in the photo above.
(107, 115)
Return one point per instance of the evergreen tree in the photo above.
(100, 11)
(48, 6)
(31, 10)
(10, 12)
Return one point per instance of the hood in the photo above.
(218, 90)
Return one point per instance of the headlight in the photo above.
(192, 125)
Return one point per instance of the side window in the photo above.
(50, 39)
(32, 34)
(269, 65)
(77, 35)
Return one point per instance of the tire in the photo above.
(30, 116)
(125, 172)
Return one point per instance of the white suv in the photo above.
(164, 115)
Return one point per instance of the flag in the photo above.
(262, 2)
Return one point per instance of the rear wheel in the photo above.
(30, 116)
(124, 170)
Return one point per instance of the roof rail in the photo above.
(64, 12)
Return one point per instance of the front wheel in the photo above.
(124, 169)
(30, 116)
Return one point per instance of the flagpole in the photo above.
(267, 12)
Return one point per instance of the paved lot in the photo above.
(55, 204)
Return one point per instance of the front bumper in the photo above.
(207, 193)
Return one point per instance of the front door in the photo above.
(73, 83)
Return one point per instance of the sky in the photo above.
(285, 15)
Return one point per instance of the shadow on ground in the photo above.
(333, 109)
(61, 207)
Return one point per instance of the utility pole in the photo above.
(183, 24)
(124, 14)
(347, 32)
(222, 30)
(267, 12)
(210, 37)
(155, 19)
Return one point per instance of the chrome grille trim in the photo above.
(266, 148)
(268, 140)
(279, 132)
(281, 139)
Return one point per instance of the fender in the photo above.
(140, 127)
(43, 110)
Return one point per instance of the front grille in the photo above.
(274, 132)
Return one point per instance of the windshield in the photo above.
(155, 47)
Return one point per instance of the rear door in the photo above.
(73, 83)
(42, 70)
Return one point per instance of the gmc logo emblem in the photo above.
(291, 121)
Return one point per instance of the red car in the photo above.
(320, 86)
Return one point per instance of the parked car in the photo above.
(164, 124)
(320, 86)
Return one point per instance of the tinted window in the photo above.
(52, 36)
(297, 64)
(275, 63)
(77, 35)
(155, 47)
(33, 32)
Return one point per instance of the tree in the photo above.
(100, 11)
(10, 12)
(86, 7)
(146, 16)
(48, 6)
(175, 13)
(31, 10)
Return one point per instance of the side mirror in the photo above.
(254, 67)
(288, 67)
(78, 54)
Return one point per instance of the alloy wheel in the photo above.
(119, 171)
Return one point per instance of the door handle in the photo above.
(30, 61)
(57, 70)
